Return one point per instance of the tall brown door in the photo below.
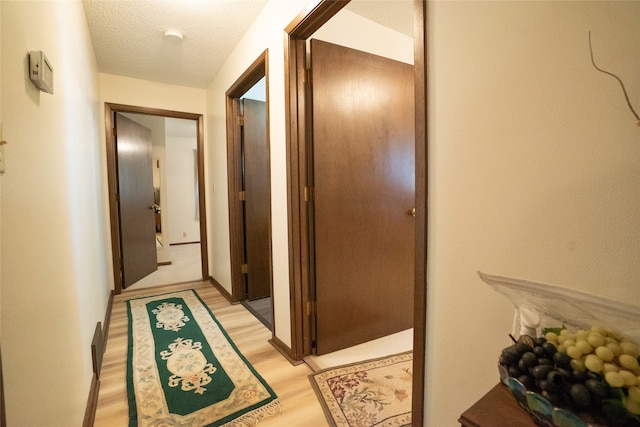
(135, 188)
(257, 199)
(364, 184)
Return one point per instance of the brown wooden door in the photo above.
(364, 184)
(135, 188)
(257, 199)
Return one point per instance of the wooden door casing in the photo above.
(112, 181)
(297, 121)
(135, 188)
(257, 199)
(363, 195)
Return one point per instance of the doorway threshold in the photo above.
(391, 344)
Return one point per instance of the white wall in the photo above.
(265, 33)
(145, 93)
(54, 265)
(534, 172)
(184, 225)
(353, 31)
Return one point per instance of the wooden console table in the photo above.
(497, 408)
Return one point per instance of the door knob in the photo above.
(412, 212)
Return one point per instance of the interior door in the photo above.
(135, 189)
(364, 185)
(257, 199)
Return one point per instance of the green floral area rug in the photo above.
(184, 370)
(371, 393)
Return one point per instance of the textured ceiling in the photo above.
(128, 37)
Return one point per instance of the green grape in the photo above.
(595, 339)
(634, 393)
(593, 363)
(610, 367)
(614, 379)
(629, 379)
(574, 352)
(599, 329)
(584, 347)
(582, 334)
(605, 353)
(567, 339)
(612, 333)
(578, 365)
(628, 361)
(633, 406)
(607, 340)
(551, 337)
(630, 348)
(615, 348)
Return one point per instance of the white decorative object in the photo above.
(556, 306)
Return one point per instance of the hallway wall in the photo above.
(265, 33)
(184, 224)
(534, 172)
(55, 280)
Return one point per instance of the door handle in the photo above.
(412, 212)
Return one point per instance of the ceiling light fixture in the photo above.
(173, 34)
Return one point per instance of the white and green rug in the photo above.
(184, 370)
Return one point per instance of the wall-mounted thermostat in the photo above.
(40, 71)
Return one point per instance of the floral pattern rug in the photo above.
(184, 370)
(371, 393)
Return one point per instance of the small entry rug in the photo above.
(184, 370)
(371, 393)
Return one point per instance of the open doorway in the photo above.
(249, 190)
(187, 154)
(175, 194)
(300, 121)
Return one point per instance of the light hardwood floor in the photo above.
(300, 406)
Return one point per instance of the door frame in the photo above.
(256, 71)
(298, 118)
(112, 182)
